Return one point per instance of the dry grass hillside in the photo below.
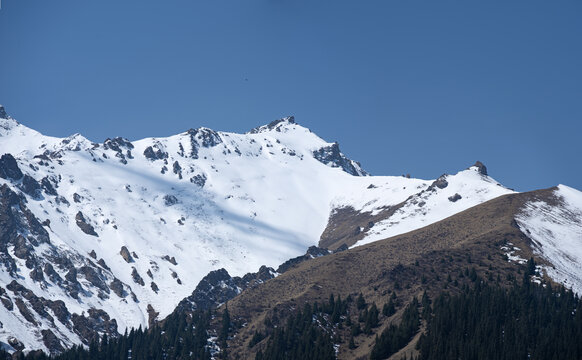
(433, 258)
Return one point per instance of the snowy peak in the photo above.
(6, 122)
(276, 125)
(332, 156)
(426, 203)
(3, 114)
(480, 168)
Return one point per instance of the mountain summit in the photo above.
(3, 114)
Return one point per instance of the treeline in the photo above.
(395, 337)
(180, 337)
(306, 334)
(526, 321)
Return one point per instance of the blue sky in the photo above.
(419, 87)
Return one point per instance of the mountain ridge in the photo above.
(143, 222)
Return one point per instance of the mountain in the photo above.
(490, 241)
(97, 238)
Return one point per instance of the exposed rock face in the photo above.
(87, 327)
(13, 220)
(15, 343)
(218, 287)
(331, 156)
(171, 260)
(153, 155)
(170, 200)
(137, 277)
(121, 146)
(482, 168)
(177, 169)
(277, 124)
(124, 252)
(97, 321)
(9, 168)
(199, 180)
(48, 187)
(117, 287)
(30, 186)
(3, 114)
(152, 314)
(117, 144)
(440, 183)
(455, 197)
(52, 342)
(312, 252)
(202, 137)
(84, 225)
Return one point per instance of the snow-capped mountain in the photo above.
(99, 237)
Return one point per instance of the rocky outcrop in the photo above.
(455, 197)
(156, 154)
(152, 314)
(218, 287)
(171, 260)
(121, 146)
(170, 200)
(331, 156)
(199, 180)
(481, 168)
(3, 114)
(312, 252)
(95, 322)
(30, 186)
(439, 183)
(117, 287)
(126, 255)
(9, 168)
(52, 342)
(202, 137)
(48, 187)
(84, 225)
(15, 343)
(15, 220)
(274, 125)
(137, 277)
(177, 169)
(117, 144)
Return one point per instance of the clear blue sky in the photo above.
(419, 87)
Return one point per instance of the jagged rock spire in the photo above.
(482, 168)
(3, 114)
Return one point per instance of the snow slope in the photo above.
(450, 194)
(556, 230)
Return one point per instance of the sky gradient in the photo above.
(419, 87)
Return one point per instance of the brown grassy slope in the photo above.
(431, 259)
(345, 224)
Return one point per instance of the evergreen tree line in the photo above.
(180, 337)
(526, 321)
(306, 334)
(394, 338)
